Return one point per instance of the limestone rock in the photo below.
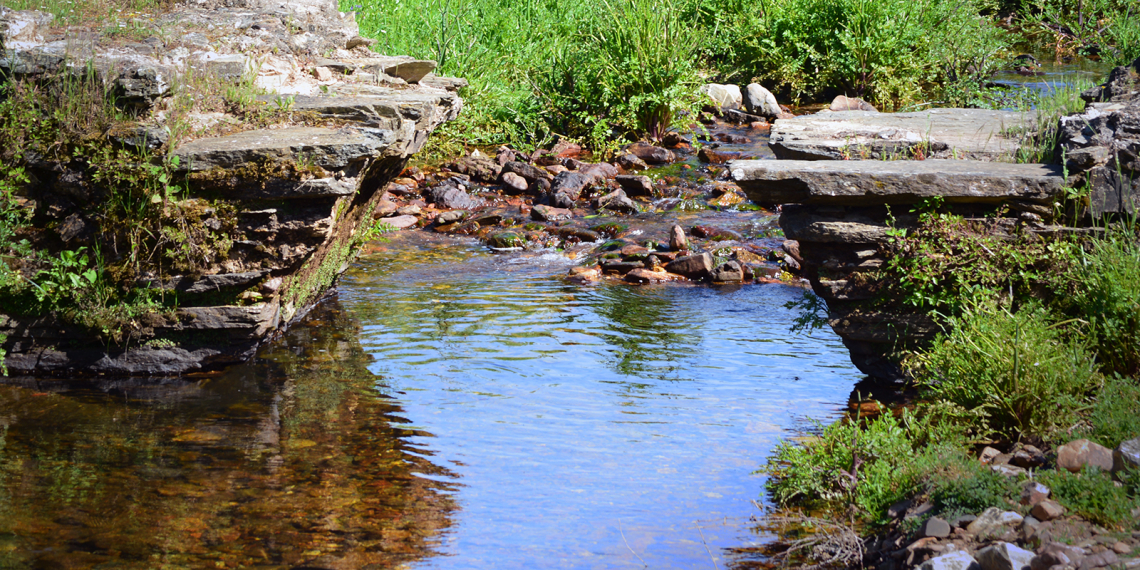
(894, 182)
(1076, 455)
(937, 133)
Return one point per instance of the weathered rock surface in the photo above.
(1126, 455)
(864, 182)
(936, 133)
(837, 213)
(287, 200)
(957, 560)
(1101, 146)
(1003, 556)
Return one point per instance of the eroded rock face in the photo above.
(1101, 146)
(287, 201)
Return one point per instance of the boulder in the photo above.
(1126, 455)
(760, 101)
(651, 154)
(1047, 510)
(453, 198)
(1056, 554)
(642, 275)
(616, 201)
(957, 560)
(631, 162)
(1003, 556)
(1033, 492)
(549, 213)
(635, 185)
(514, 183)
(677, 239)
(697, 266)
(528, 171)
(1076, 455)
(728, 272)
(724, 96)
(935, 527)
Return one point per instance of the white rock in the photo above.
(760, 101)
(993, 518)
(1004, 556)
(958, 560)
(727, 96)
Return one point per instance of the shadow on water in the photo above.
(293, 460)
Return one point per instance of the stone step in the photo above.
(872, 182)
(977, 134)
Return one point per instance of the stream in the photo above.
(447, 407)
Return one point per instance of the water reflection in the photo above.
(293, 460)
(592, 426)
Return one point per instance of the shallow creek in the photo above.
(447, 408)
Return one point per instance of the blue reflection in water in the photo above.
(590, 426)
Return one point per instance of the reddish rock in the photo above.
(514, 183)
(1033, 493)
(401, 222)
(642, 275)
(697, 266)
(1047, 510)
(1076, 455)
(651, 154)
(549, 214)
(565, 149)
(677, 239)
(630, 162)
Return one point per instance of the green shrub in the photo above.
(1013, 372)
(961, 484)
(1106, 291)
(1092, 495)
(868, 467)
(893, 52)
(1108, 27)
(1114, 417)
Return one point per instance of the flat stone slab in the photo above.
(872, 182)
(331, 149)
(407, 68)
(976, 134)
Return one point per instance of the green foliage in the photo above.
(1108, 27)
(634, 71)
(1104, 289)
(893, 52)
(1039, 144)
(376, 231)
(948, 262)
(1093, 495)
(1014, 373)
(866, 466)
(1113, 417)
(961, 484)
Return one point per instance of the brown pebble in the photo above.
(1121, 548)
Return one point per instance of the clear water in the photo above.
(448, 408)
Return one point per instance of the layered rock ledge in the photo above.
(287, 198)
(840, 215)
